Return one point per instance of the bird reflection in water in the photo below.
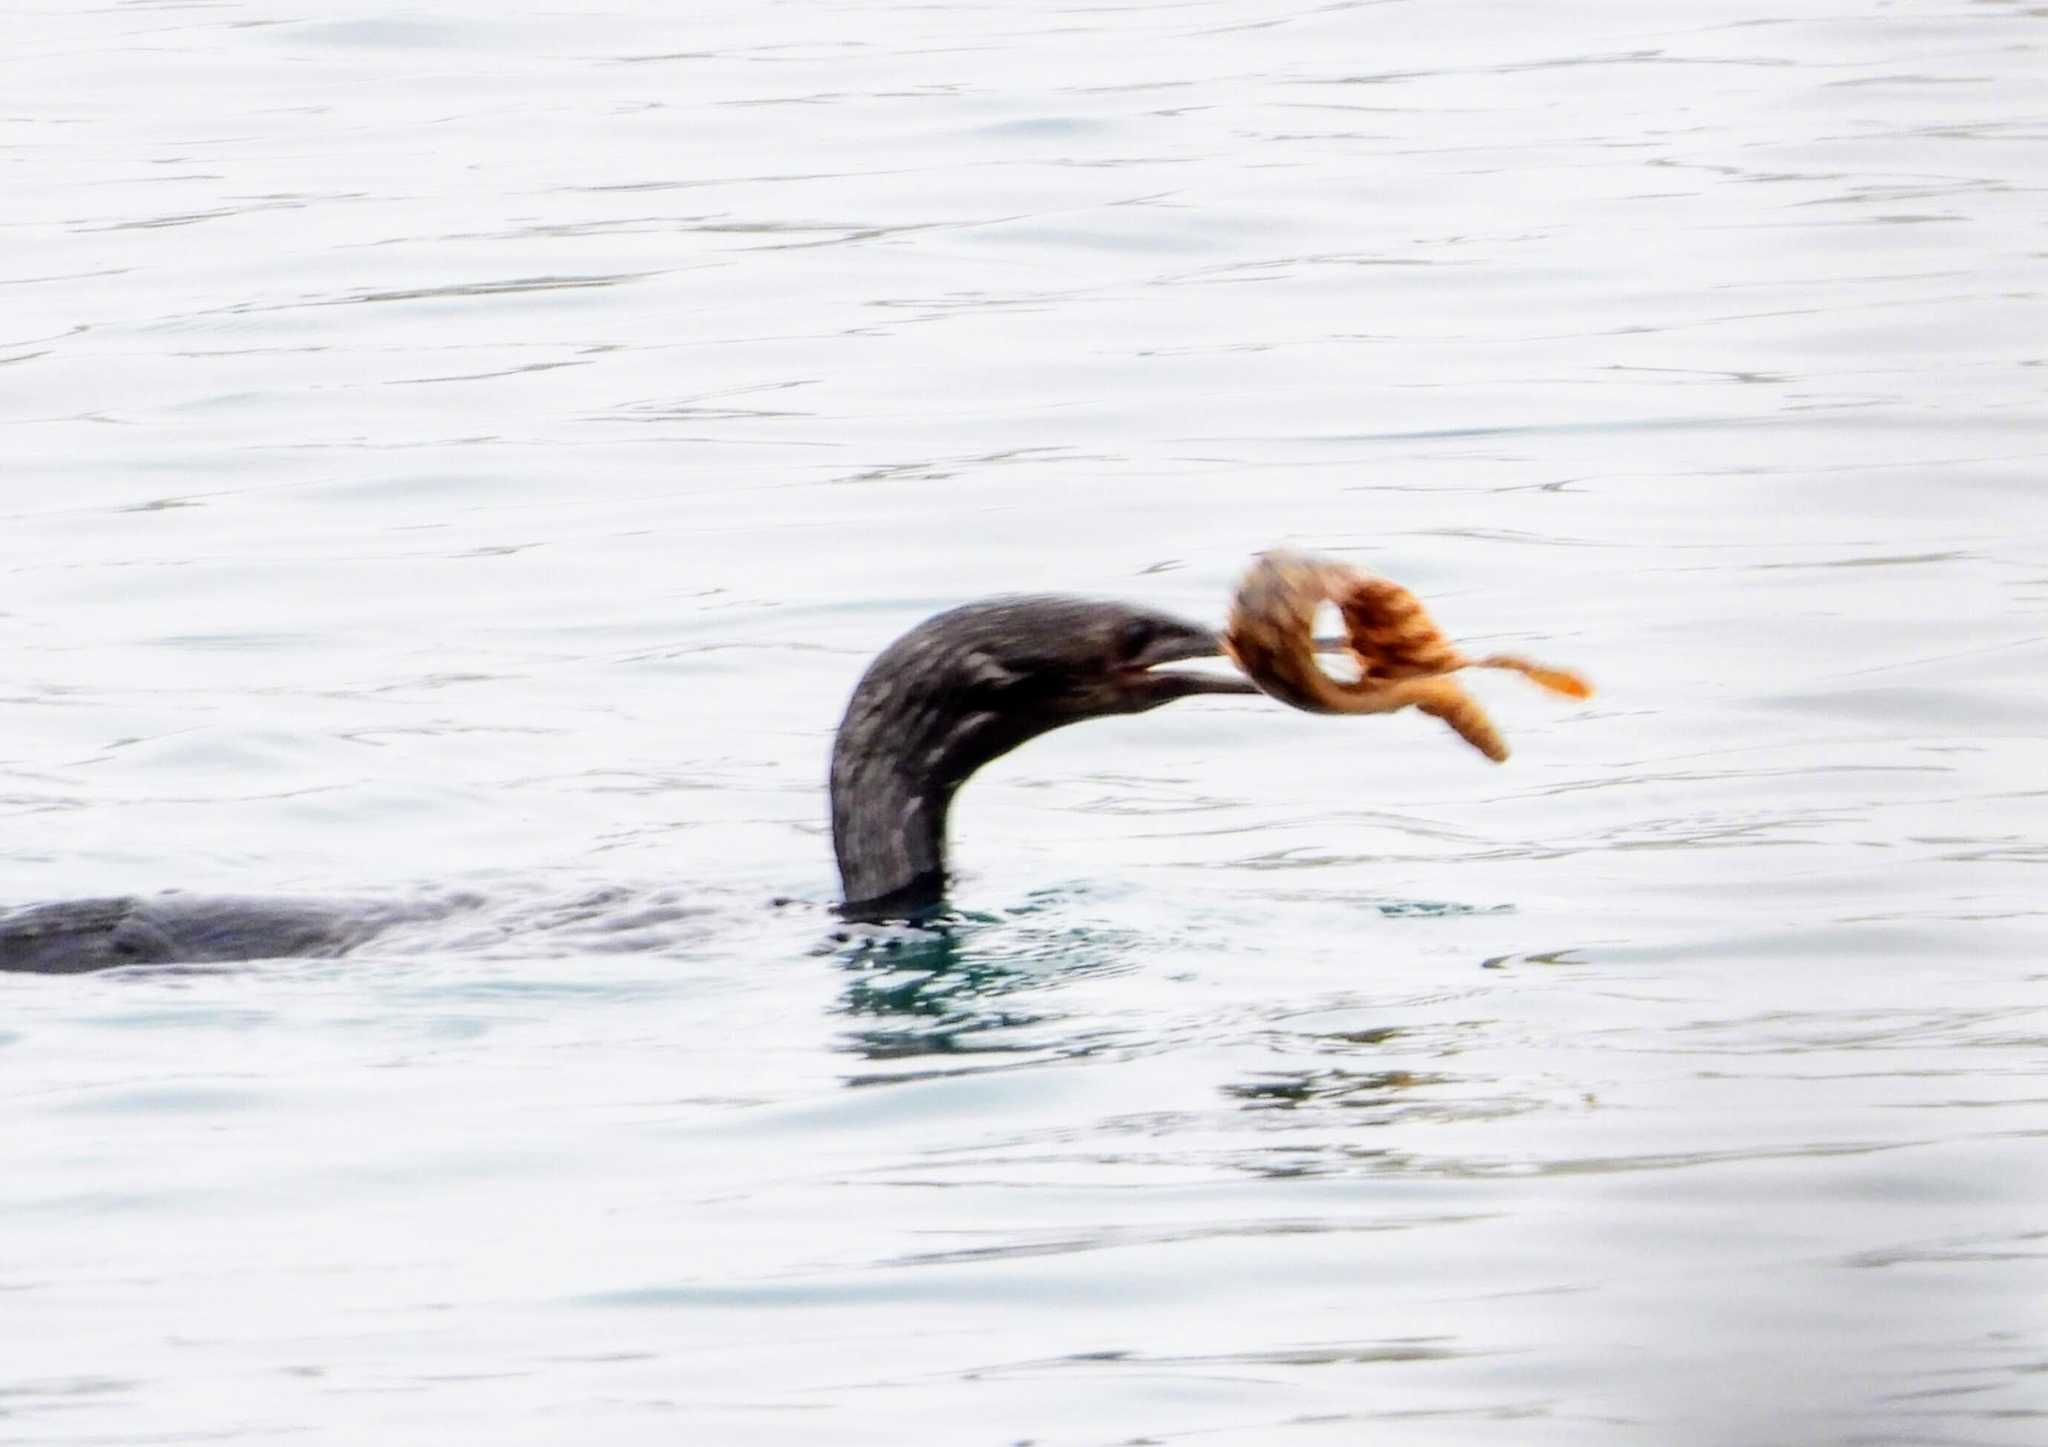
(971, 985)
(1367, 1089)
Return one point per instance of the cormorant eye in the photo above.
(1132, 639)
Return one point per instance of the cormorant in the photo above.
(957, 691)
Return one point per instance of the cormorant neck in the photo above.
(895, 768)
(889, 831)
(911, 737)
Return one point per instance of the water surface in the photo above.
(479, 449)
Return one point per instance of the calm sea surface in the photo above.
(478, 446)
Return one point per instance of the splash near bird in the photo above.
(1403, 658)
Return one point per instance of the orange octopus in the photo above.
(1403, 659)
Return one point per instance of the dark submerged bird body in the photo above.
(76, 935)
(959, 690)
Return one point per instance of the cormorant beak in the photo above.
(1150, 677)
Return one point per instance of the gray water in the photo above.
(477, 447)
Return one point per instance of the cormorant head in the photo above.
(1008, 669)
(1052, 661)
(966, 687)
